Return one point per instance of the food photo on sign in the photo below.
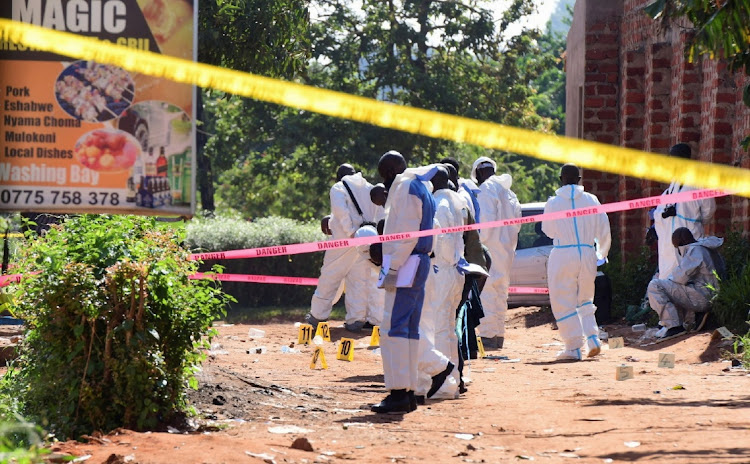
(83, 136)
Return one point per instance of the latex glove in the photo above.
(389, 282)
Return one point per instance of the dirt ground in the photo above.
(253, 406)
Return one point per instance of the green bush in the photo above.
(732, 303)
(630, 276)
(114, 325)
(224, 233)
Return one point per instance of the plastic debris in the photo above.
(282, 429)
(318, 340)
(464, 436)
(286, 349)
(256, 333)
(639, 328)
(267, 458)
(632, 444)
(257, 350)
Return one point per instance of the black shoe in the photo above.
(413, 401)
(462, 387)
(368, 326)
(499, 342)
(397, 402)
(419, 399)
(672, 333)
(439, 379)
(488, 343)
(355, 327)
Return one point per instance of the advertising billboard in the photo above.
(79, 136)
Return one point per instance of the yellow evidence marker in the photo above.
(624, 372)
(480, 348)
(616, 342)
(666, 360)
(305, 334)
(346, 350)
(319, 354)
(324, 331)
(375, 337)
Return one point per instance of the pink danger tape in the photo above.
(8, 279)
(535, 290)
(265, 279)
(298, 248)
(260, 279)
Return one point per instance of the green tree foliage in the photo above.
(451, 57)
(266, 37)
(114, 325)
(721, 29)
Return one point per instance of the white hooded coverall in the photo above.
(691, 214)
(496, 202)
(410, 207)
(438, 342)
(571, 269)
(687, 288)
(346, 263)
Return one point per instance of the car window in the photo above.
(528, 236)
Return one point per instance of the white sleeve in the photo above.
(603, 233)
(446, 245)
(488, 212)
(340, 211)
(404, 215)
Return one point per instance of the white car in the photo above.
(530, 267)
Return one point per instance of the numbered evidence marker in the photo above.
(480, 348)
(666, 360)
(319, 354)
(346, 350)
(375, 338)
(324, 331)
(305, 334)
(616, 342)
(624, 372)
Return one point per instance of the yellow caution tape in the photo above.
(591, 155)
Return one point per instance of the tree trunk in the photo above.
(204, 176)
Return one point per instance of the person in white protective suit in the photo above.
(466, 188)
(410, 207)
(690, 214)
(496, 202)
(571, 269)
(350, 208)
(689, 287)
(438, 343)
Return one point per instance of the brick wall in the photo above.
(640, 92)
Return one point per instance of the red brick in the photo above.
(607, 115)
(659, 142)
(635, 97)
(605, 138)
(691, 108)
(596, 77)
(590, 126)
(661, 63)
(609, 67)
(593, 102)
(660, 116)
(595, 54)
(726, 97)
(631, 110)
(691, 78)
(612, 78)
(606, 90)
(632, 123)
(722, 128)
(589, 113)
